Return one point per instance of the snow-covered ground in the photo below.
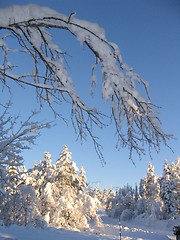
(139, 229)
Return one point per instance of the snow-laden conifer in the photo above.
(83, 179)
(67, 171)
(170, 186)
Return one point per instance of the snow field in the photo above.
(109, 230)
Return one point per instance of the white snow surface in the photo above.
(138, 229)
(24, 13)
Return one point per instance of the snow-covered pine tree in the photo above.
(12, 176)
(83, 179)
(27, 207)
(176, 177)
(9, 186)
(136, 193)
(123, 204)
(66, 188)
(141, 203)
(110, 201)
(47, 162)
(67, 171)
(41, 177)
(111, 193)
(150, 201)
(104, 196)
(166, 190)
(152, 187)
(19, 203)
(96, 193)
(154, 205)
(142, 187)
(170, 188)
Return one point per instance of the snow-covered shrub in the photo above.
(127, 214)
(140, 206)
(20, 207)
(157, 209)
(89, 207)
(124, 200)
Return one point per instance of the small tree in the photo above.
(150, 201)
(83, 179)
(28, 28)
(67, 171)
(170, 186)
(152, 184)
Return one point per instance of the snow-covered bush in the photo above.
(20, 207)
(124, 200)
(127, 214)
(140, 206)
(157, 209)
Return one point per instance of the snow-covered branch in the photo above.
(28, 25)
(16, 136)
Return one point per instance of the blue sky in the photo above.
(148, 35)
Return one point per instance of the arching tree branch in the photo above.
(49, 77)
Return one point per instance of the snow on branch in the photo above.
(16, 136)
(29, 26)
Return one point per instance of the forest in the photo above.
(58, 195)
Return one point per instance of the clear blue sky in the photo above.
(148, 34)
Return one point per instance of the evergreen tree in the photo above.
(9, 185)
(142, 187)
(67, 171)
(149, 191)
(83, 179)
(111, 193)
(123, 204)
(104, 196)
(12, 176)
(166, 190)
(136, 193)
(96, 193)
(41, 178)
(152, 185)
(170, 188)
(176, 177)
